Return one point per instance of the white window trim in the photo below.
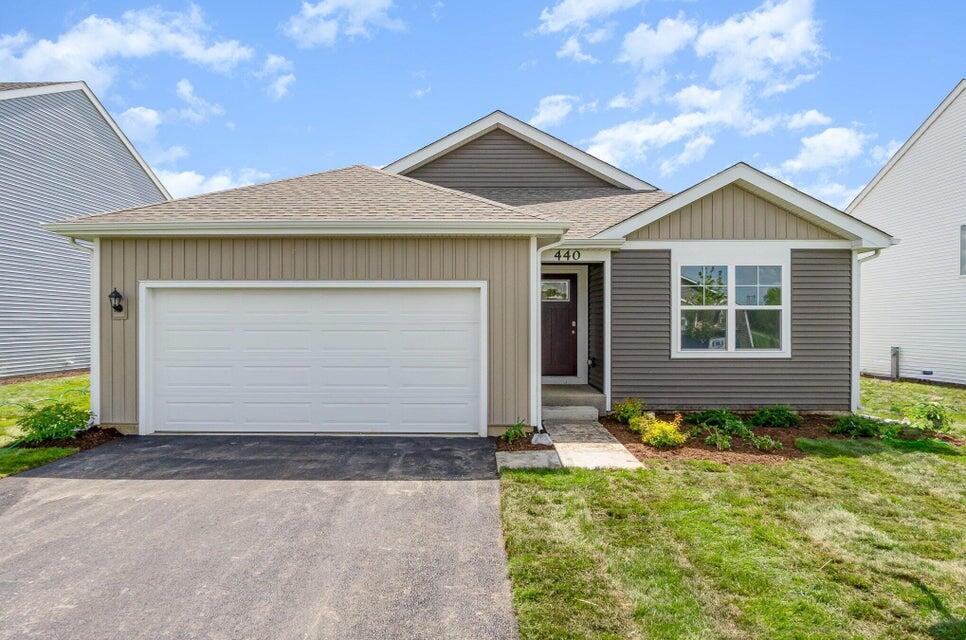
(582, 320)
(735, 254)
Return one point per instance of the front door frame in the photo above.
(582, 337)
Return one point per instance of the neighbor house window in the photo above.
(731, 310)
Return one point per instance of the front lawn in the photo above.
(72, 389)
(857, 540)
(889, 399)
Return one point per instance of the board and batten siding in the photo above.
(500, 159)
(816, 377)
(58, 158)
(731, 213)
(913, 295)
(502, 262)
(595, 325)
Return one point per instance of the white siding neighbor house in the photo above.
(914, 295)
(61, 155)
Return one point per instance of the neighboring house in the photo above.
(408, 300)
(61, 155)
(914, 296)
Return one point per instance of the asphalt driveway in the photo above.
(257, 537)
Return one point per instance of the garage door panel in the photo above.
(353, 360)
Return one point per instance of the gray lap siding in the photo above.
(816, 377)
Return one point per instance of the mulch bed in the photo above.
(521, 444)
(43, 376)
(813, 426)
(93, 437)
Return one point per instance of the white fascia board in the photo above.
(528, 133)
(276, 228)
(82, 86)
(901, 151)
(773, 189)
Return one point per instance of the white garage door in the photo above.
(382, 360)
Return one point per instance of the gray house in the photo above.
(452, 290)
(61, 155)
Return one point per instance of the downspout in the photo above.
(856, 326)
(83, 247)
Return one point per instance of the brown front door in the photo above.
(558, 305)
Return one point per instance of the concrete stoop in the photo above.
(579, 413)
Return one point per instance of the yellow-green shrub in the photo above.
(659, 433)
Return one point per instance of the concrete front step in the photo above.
(570, 413)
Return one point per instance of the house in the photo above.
(61, 155)
(914, 296)
(439, 294)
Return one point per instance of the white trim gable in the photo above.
(937, 112)
(861, 235)
(82, 86)
(527, 133)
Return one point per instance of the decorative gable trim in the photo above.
(528, 133)
(82, 86)
(770, 189)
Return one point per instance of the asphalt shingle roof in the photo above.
(356, 193)
(10, 86)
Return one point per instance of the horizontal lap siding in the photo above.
(502, 262)
(499, 159)
(816, 377)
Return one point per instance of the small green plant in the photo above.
(718, 439)
(720, 419)
(628, 409)
(858, 426)
(763, 443)
(54, 421)
(514, 432)
(777, 416)
(930, 415)
(662, 434)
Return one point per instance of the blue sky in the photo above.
(216, 94)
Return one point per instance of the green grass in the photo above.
(860, 539)
(73, 389)
(889, 399)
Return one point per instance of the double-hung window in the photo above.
(731, 309)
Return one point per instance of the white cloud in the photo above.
(697, 97)
(763, 44)
(280, 86)
(810, 118)
(597, 35)
(168, 156)
(648, 48)
(693, 151)
(140, 123)
(274, 64)
(784, 86)
(633, 139)
(189, 183)
(588, 107)
(836, 194)
(421, 92)
(571, 49)
(198, 109)
(323, 22)
(553, 110)
(881, 154)
(88, 49)
(568, 14)
(647, 88)
(278, 69)
(832, 147)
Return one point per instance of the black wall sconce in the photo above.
(115, 298)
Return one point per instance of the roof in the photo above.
(540, 139)
(14, 90)
(938, 111)
(588, 210)
(863, 235)
(331, 200)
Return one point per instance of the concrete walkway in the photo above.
(588, 445)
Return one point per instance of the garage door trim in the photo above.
(145, 327)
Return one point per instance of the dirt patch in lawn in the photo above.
(43, 376)
(93, 437)
(813, 426)
(520, 444)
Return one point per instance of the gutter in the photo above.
(83, 247)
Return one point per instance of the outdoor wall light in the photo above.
(115, 298)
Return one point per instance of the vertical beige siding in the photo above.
(500, 159)
(502, 262)
(731, 213)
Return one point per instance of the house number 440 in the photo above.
(567, 255)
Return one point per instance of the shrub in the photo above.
(718, 439)
(54, 421)
(720, 426)
(720, 419)
(628, 409)
(514, 432)
(662, 434)
(777, 416)
(929, 414)
(858, 426)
